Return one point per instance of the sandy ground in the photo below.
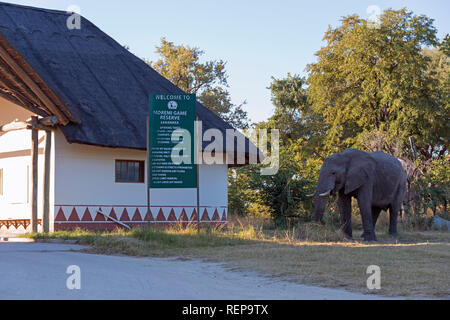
(38, 271)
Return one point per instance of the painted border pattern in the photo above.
(68, 217)
(17, 223)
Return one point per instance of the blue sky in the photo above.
(258, 39)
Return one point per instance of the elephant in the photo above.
(377, 180)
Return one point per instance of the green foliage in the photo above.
(294, 117)
(284, 193)
(240, 196)
(445, 45)
(292, 110)
(374, 79)
(432, 188)
(182, 66)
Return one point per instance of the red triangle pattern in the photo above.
(86, 215)
(149, 216)
(60, 215)
(160, 216)
(125, 216)
(216, 216)
(205, 216)
(99, 216)
(74, 215)
(137, 215)
(194, 215)
(112, 214)
(172, 216)
(224, 215)
(183, 216)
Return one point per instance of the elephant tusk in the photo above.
(325, 194)
(311, 195)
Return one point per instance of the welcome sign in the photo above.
(172, 141)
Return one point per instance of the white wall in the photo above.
(85, 176)
(14, 204)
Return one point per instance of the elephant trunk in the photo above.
(319, 208)
(325, 186)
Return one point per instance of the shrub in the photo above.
(414, 222)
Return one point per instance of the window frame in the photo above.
(128, 161)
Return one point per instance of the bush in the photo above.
(431, 188)
(414, 222)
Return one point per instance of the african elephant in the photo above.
(377, 180)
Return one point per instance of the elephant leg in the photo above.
(375, 214)
(395, 209)
(365, 207)
(393, 214)
(345, 209)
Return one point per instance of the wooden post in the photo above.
(34, 174)
(46, 186)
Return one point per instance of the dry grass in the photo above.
(407, 269)
(417, 264)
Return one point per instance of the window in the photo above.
(1, 182)
(130, 171)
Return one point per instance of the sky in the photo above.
(258, 39)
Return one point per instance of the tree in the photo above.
(376, 81)
(293, 115)
(181, 65)
(435, 138)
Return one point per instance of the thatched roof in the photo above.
(98, 89)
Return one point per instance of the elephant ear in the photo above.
(359, 172)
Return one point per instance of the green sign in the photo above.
(172, 141)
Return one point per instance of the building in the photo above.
(98, 92)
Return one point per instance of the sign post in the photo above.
(171, 142)
(148, 166)
(197, 152)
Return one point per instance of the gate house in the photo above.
(98, 93)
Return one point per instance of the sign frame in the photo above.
(167, 113)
